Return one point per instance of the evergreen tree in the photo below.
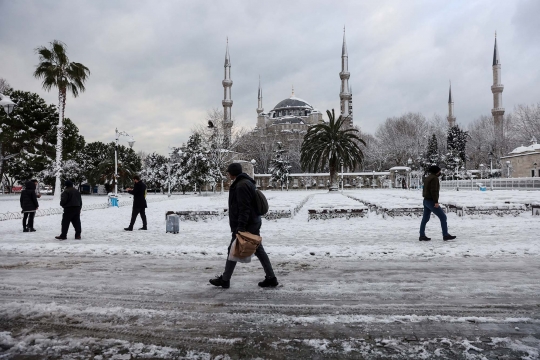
(154, 171)
(196, 166)
(432, 154)
(30, 132)
(280, 166)
(456, 145)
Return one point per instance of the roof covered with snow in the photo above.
(525, 149)
(293, 102)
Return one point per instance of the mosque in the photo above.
(292, 114)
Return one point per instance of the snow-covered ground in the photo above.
(349, 288)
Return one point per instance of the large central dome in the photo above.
(293, 102)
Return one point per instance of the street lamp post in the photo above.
(481, 171)
(409, 162)
(535, 165)
(341, 162)
(491, 170)
(508, 168)
(254, 162)
(130, 142)
(373, 184)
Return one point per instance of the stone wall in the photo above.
(521, 165)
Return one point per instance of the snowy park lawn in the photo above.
(349, 288)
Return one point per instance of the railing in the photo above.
(57, 211)
(532, 183)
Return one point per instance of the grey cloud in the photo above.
(157, 66)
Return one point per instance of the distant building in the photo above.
(522, 161)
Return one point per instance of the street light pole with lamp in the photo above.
(130, 142)
(491, 170)
(409, 162)
(508, 168)
(535, 165)
(341, 162)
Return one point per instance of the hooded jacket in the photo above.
(242, 203)
(431, 188)
(71, 198)
(29, 200)
(139, 195)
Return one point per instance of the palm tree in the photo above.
(105, 173)
(328, 143)
(57, 71)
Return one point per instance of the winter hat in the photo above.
(434, 169)
(68, 183)
(235, 169)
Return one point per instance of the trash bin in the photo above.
(173, 224)
(113, 200)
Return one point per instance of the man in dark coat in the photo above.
(71, 201)
(431, 204)
(29, 205)
(139, 203)
(243, 216)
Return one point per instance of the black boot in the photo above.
(424, 238)
(143, 228)
(128, 229)
(448, 237)
(272, 282)
(218, 281)
(31, 230)
(25, 230)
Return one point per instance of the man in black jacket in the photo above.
(431, 204)
(71, 201)
(139, 203)
(29, 206)
(244, 217)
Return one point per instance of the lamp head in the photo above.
(131, 142)
(7, 104)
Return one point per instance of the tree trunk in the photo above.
(59, 138)
(333, 179)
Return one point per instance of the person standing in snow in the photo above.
(29, 205)
(139, 203)
(431, 204)
(244, 217)
(71, 201)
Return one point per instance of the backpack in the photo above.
(261, 204)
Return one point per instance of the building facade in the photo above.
(522, 161)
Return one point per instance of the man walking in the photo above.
(139, 203)
(431, 204)
(244, 217)
(71, 201)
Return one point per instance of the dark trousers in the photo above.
(30, 217)
(259, 253)
(134, 213)
(72, 215)
(429, 207)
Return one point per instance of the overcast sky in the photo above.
(157, 66)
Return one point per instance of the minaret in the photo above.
(451, 118)
(345, 95)
(497, 89)
(261, 117)
(227, 100)
(260, 108)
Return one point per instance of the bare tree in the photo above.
(525, 122)
(4, 86)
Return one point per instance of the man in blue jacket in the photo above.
(244, 217)
(139, 203)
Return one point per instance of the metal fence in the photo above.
(532, 183)
(57, 211)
